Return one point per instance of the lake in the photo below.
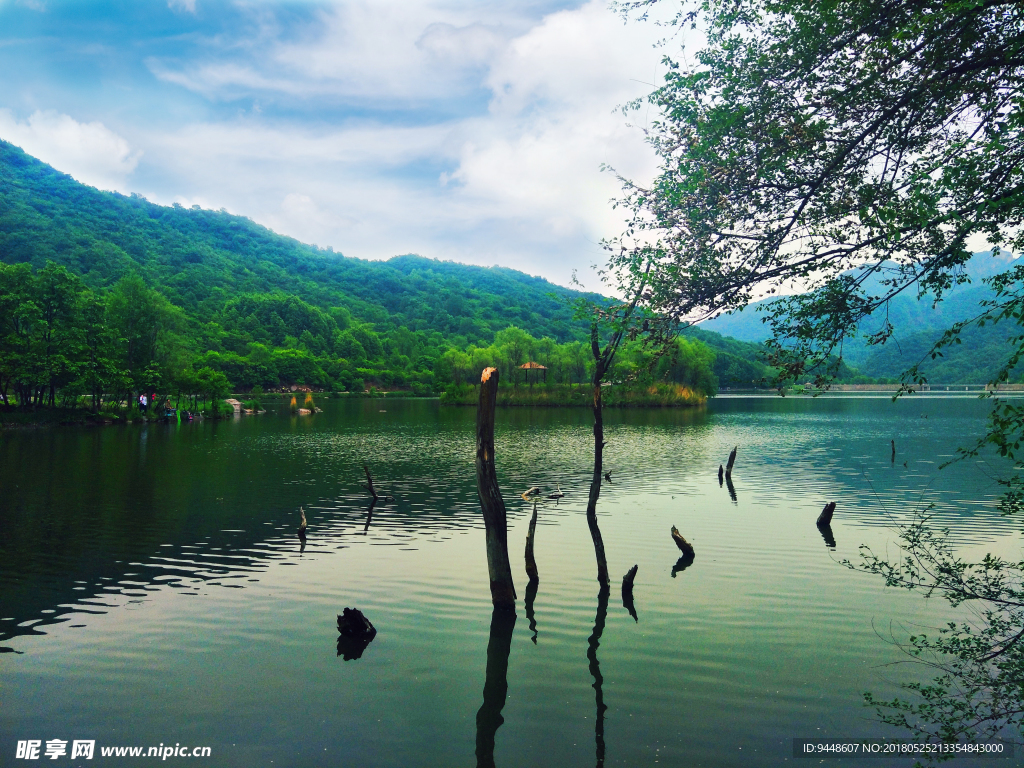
(153, 590)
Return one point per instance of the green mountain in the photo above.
(107, 293)
(198, 258)
(919, 324)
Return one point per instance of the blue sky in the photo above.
(470, 131)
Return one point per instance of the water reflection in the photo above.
(595, 671)
(826, 533)
(488, 717)
(351, 648)
(369, 515)
(731, 487)
(355, 633)
(531, 595)
(682, 563)
(627, 592)
(213, 504)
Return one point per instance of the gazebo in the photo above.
(532, 366)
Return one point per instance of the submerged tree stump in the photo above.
(352, 623)
(503, 591)
(825, 518)
(732, 460)
(684, 546)
(369, 482)
(355, 633)
(531, 563)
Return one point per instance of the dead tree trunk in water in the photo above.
(531, 562)
(732, 460)
(601, 364)
(503, 591)
(369, 482)
(603, 360)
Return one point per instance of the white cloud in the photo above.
(182, 5)
(484, 144)
(371, 50)
(90, 152)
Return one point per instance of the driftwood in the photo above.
(825, 518)
(369, 482)
(627, 592)
(721, 474)
(503, 591)
(368, 485)
(729, 464)
(684, 546)
(302, 524)
(893, 459)
(531, 563)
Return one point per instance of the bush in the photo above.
(218, 409)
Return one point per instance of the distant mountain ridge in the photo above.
(918, 325)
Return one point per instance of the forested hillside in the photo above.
(100, 292)
(198, 258)
(919, 324)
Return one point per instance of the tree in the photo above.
(619, 323)
(146, 323)
(977, 691)
(17, 312)
(853, 148)
(515, 345)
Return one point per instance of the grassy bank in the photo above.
(566, 395)
(12, 417)
(53, 417)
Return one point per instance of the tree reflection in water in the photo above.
(488, 718)
(595, 669)
(531, 595)
(826, 533)
(682, 564)
(731, 488)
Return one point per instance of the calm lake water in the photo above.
(153, 590)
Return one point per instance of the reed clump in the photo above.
(660, 395)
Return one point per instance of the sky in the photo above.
(465, 131)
